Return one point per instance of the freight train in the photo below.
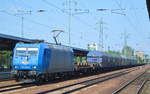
(43, 61)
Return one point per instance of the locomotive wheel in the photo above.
(39, 80)
(16, 78)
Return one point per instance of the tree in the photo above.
(128, 51)
(5, 59)
(114, 52)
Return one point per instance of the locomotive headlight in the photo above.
(16, 67)
(34, 67)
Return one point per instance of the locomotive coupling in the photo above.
(32, 72)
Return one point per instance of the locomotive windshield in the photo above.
(26, 51)
(32, 51)
(21, 51)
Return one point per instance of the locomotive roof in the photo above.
(77, 51)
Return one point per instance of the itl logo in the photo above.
(25, 61)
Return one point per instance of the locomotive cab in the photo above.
(26, 61)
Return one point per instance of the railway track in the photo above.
(84, 84)
(8, 88)
(135, 85)
(141, 87)
(70, 88)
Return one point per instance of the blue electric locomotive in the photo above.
(39, 61)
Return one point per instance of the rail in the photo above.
(128, 83)
(80, 85)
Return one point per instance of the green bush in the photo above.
(5, 59)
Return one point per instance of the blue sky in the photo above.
(84, 27)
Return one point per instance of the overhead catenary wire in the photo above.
(27, 19)
(119, 4)
(79, 19)
(32, 9)
(135, 16)
(126, 16)
(75, 17)
(132, 25)
(53, 5)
